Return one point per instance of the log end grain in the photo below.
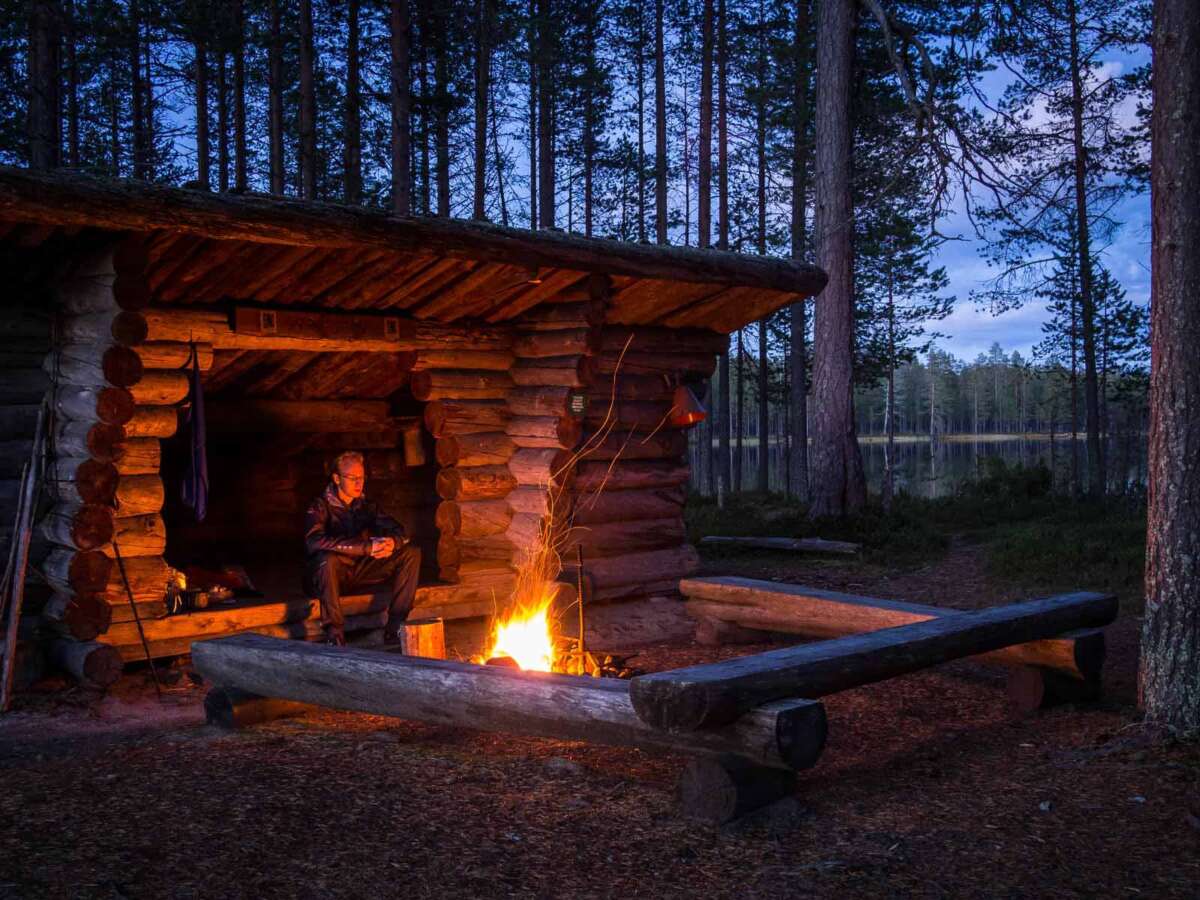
(723, 789)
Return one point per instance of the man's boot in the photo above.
(335, 636)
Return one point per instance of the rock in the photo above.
(1045, 806)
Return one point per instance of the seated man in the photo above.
(352, 544)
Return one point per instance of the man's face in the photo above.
(349, 479)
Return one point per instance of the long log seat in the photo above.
(295, 617)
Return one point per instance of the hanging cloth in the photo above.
(195, 478)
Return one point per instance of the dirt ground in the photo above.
(929, 786)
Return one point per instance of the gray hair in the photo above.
(346, 457)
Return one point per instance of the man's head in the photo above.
(349, 475)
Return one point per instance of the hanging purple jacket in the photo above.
(195, 478)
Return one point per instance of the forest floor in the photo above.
(929, 786)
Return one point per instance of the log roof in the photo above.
(206, 248)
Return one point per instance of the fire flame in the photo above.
(526, 637)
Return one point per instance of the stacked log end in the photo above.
(113, 395)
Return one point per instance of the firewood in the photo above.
(446, 417)
(140, 456)
(476, 518)
(90, 663)
(630, 506)
(160, 388)
(542, 468)
(111, 405)
(94, 365)
(561, 432)
(138, 495)
(641, 475)
(460, 384)
(76, 571)
(79, 526)
(572, 342)
(475, 483)
(81, 480)
(485, 448)
(564, 371)
(153, 421)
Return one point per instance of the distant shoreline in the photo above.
(968, 438)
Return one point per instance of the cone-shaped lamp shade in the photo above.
(686, 410)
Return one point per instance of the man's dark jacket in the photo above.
(330, 526)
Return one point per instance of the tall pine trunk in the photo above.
(589, 116)
(1170, 660)
(308, 105)
(798, 397)
(72, 86)
(351, 121)
(660, 128)
(531, 38)
(760, 117)
(275, 85)
(43, 86)
(441, 108)
(546, 99)
(704, 189)
(740, 423)
(136, 99)
(640, 65)
(240, 181)
(200, 51)
(222, 124)
(483, 66)
(723, 416)
(401, 41)
(839, 486)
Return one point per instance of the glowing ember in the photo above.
(526, 637)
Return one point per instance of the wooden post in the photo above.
(423, 637)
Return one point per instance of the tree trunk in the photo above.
(546, 58)
(1170, 662)
(483, 60)
(660, 128)
(351, 125)
(441, 108)
(222, 123)
(308, 105)
(798, 396)
(839, 483)
(401, 108)
(275, 84)
(704, 193)
(532, 42)
(240, 183)
(137, 108)
(201, 76)
(640, 64)
(70, 39)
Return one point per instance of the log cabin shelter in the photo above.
(483, 372)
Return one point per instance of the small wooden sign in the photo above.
(577, 404)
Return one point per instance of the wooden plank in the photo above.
(799, 545)
(495, 698)
(717, 693)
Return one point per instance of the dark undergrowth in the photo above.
(1034, 537)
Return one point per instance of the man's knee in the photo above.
(406, 556)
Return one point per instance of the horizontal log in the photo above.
(94, 365)
(19, 419)
(460, 384)
(619, 538)
(714, 694)
(153, 422)
(81, 480)
(81, 616)
(525, 536)
(139, 495)
(561, 432)
(254, 416)
(558, 316)
(476, 518)
(446, 417)
(624, 445)
(78, 526)
(530, 499)
(160, 388)
(98, 440)
(475, 483)
(135, 536)
(638, 416)
(147, 576)
(654, 388)
(443, 692)
(650, 363)
(668, 587)
(174, 355)
(562, 371)
(452, 550)
(796, 545)
(672, 340)
(539, 401)
(627, 506)
(75, 571)
(484, 448)
(571, 342)
(639, 475)
(491, 360)
(207, 623)
(140, 456)
(796, 609)
(542, 468)
(718, 791)
(111, 405)
(102, 293)
(487, 570)
(234, 709)
(90, 663)
(124, 327)
(650, 566)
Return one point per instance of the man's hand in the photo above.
(382, 547)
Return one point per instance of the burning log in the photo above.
(77, 480)
(787, 735)
(140, 456)
(465, 384)
(568, 342)
(475, 483)
(81, 526)
(629, 476)
(111, 405)
(710, 695)
(476, 518)
(90, 663)
(138, 495)
(485, 448)
(160, 388)
(152, 421)
(559, 432)
(629, 506)
(564, 371)
(91, 365)
(446, 417)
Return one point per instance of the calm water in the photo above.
(926, 469)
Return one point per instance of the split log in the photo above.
(491, 360)
(473, 518)
(651, 566)
(144, 535)
(453, 551)
(82, 616)
(484, 448)
(76, 571)
(674, 340)
(627, 506)
(558, 316)
(710, 695)
(650, 363)
(720, 790)
(629, 476)
(564, 371)
(571, 342)
(618, 538)
(446, 417)
(94, 365)
(475, 483)
(98, 440)
(79, 526)
(140, 456)
(97, 665)
(543, 468)
(666, 445)
(425, 638)
(539, 401)
(531, 499)
(111, 405)
(174, 355)
(561, 432)
(82, 480)
(254, 416)
(124, 327)
(788, 735)
(153, 421)
(796, 609)
(161, 388)
(235, 709)
(456, 384)
(139, 495)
